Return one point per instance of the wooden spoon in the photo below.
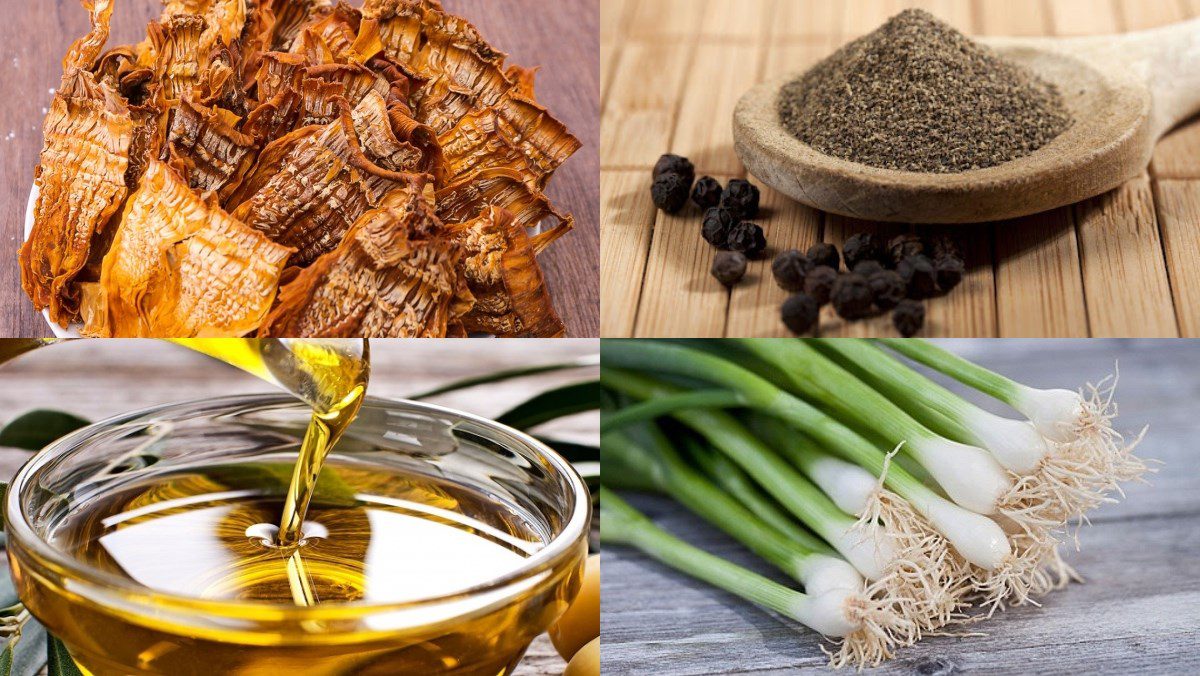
(1124, 91)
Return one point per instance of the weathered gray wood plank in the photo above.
(1137, 613)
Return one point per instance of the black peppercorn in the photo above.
(867, 268)
(670, 192)
(919, 276)
(819, 283)
(889, 289)
(717, 224)
(800, 313)
(949, 272)
(706, 193)
(742, 197)
(852, 297)
(909, 317)
(729, 267)
(674, 164)
(790, 268)
(864, 246)
(903, 246)
(823, 253)
(747, 238)
(943, 246)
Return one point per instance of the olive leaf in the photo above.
(509, 374)
(25, 653)
(556, 403)
(9, 603)
(28, 651)
(572, 451)
(58, 660)
(34, 430)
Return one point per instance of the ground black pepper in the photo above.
(909, 317)
(675, 164)
(717, 224)
(919, 276)
(950, 272)
(819, 283)
(742, 197)
(889, 289)
(729, 267)
(824, 253)
(917, 95)
(852, 297)
(747, 238)
(864, 246)
(903, 246)
(800, 313)
(670, 192)
(706, 193)
(790, 268)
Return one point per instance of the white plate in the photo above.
(71, 331)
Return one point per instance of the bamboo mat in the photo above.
(1123, 264)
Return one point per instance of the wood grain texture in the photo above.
(1137, 613)
(1100, 268)
(1178, 205)
(561, 36)
(97, 379)
(1123, 258)
(623, 246)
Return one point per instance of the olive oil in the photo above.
(361, 520)
(331, 376)
(371, 536)
(267, 565)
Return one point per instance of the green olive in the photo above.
(586, 662)
(581, 622)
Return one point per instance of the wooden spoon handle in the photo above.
(1169, 60)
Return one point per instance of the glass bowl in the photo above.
(113, 624)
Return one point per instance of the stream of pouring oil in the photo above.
(330, 375)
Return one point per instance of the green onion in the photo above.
(653, 408)
(978, 540)
(626, 526)
(692, 490)
(1057, 413)
(968, 474)
(1015, 444)
(1086, 458)
(870, 554)
(734, 481)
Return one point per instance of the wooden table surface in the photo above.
(1138, 612)
(1123, 264)
(96, 379)
(560, 36)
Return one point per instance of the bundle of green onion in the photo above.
(901, 508)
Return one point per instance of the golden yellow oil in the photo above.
(371, 537)
(264, 537)
(329, 375)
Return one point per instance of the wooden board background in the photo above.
(97, 379)
(559, 35)
(1138, 612)
(1122, 264)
